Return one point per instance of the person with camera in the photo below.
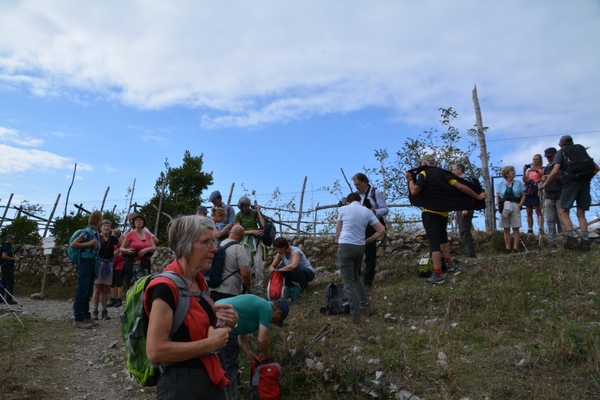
(551, 204)
(532, 177)
(137, 247)
(374, 200)
(7, 266)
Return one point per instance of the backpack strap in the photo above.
(234, 272)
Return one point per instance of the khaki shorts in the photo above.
(513, 219)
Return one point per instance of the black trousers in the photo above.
(8, 279)
(370, 257)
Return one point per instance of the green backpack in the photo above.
(135, 326)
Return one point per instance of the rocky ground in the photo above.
(84, 363)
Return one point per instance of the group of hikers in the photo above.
(202, 353)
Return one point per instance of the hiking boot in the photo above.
(436, 279)
(105, 314)
(515, 251)
(368, 287)
(95, 315)
(585, 245)
(452, 265)
(571, 243)
(90, 322)
(356, 318)
(369, 309)
(111, 303)
(118, 303)
(81, 325)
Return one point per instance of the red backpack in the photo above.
(265, 381)
(276, 288)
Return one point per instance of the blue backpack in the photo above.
(75, 254)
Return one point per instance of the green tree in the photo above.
(181, 190)
(64, 227)
(24, 229)
(448, 147)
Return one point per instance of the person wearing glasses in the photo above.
(130, 219)
(194, 369)
(510, 197)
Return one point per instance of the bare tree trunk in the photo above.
(301, 204)
(6, 209)
(104, 199)
(51, 216)
(490, 221)
(69, 191)
(131, 198)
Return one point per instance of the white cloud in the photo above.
(19, 160)
(19, 138)
(250, 63)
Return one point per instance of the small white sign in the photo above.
(49, 243)
(47, 250)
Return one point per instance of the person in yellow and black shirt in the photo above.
(435, 191)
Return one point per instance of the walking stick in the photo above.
(542, 195)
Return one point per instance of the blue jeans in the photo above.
(86, 271)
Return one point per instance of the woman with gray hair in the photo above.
(194, 369)
(510, 197)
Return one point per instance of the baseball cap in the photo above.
(10, 237)
(285, 310)
(550, 151)
(203, 209)
(214, 195)
(565, 140)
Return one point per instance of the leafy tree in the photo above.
(446, 146)
(24, 229)
(181, 189)
(64, 227)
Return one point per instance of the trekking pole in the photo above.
(2, 288)
(324, 331)
(542, 195)
(12, 310)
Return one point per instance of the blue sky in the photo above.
(270, 92)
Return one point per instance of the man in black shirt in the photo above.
(7, 265)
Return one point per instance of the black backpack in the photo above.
(269, 231)
(580, 166)
(336, 300)
(214, 276)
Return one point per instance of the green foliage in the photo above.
(64, 227)
(181, 189)
(24, 229)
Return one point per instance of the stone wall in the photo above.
(405, 247)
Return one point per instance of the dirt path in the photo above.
(81, 363)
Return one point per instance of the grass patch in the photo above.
(523, 326)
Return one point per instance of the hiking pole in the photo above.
(324, 331)
(12, 310)
(542, 195)
(2, 288)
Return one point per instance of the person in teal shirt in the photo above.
(255, 314)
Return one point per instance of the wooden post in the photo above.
(301, 204)
(104, 199)
(159, 209)
(45, 271)
(49, 220)
(6, 209)
(230, 194)
(490, 221)
(69, 191)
